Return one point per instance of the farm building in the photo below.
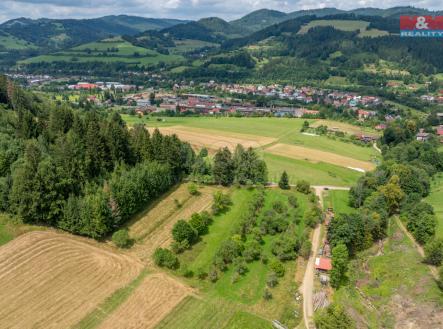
(422, 136)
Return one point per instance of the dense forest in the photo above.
(81, 171)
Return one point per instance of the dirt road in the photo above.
(307, 286)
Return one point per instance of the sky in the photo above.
(183, 9)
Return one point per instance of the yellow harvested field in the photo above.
(153, 229)
(52, 280)
(148, 304)
(345, 127)
(303, 153)
(213, 140)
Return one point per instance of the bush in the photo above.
(267, 295)
(183, 231)
(179, 247)
(303, 186)
(434, 252)
(213, 274)
(201, 274)
(272, 280)
(200, 222)
(121, 238)
(292, 200)
(165, 258)
(193, 189)
(277, 266)
(221, 203)
(240, 266)
(305, 249)
(252, 250)
(279, 207)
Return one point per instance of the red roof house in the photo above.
(323, 264)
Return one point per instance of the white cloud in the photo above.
(190, 9)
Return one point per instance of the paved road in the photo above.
(307, 286)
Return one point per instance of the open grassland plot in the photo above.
(200, 138)
(152, 228)
(316, 156)
(52, 280)
(149, 303)
(193, 313)
(343, 25)
(372, 33)
(338, 201)
(248, 290)
(392, 288)
(435, 198)
(186, 45)
(285, 130)
(345, 127)
(315, 173)
(10, 229)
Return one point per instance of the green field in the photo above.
(13, 43)
(343, 25)
(286, 131)
(108, 51)
(338, 201)
(247, 291)
(193, 313)
(435, 198)
(385, 289)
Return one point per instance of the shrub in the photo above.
(221, 203)
(292, 200)
(240, 265)
(303, 186)
(179, 247)
(279, 207)
(267, 295)
(213, 274)
(252, 250)
(200, 222)
(272, 280)
(305, 249)
(183, 231)
(201, 273)
(434, 252)
(277, 267)
(193, 189)
(121, 238)
(165, 258)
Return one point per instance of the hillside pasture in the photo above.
(152, 228)
(343, 25)
(52, 280)
(345, 127)
(156, 296)
(316, 156)
(200, 138)
(107, 51)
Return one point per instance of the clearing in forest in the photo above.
(52, 280)
(153, 228)
(213, 140)
(303, 153)
(157, 295)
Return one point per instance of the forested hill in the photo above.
(79, 170)
(59, 33)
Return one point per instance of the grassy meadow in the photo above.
(435, 198)
(286, 131)
(338, 201)
(108, 51)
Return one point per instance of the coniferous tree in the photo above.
(284, 181)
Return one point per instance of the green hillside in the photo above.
(107, 51)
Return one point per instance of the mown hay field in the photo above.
(315, 156)
(52, 280)
(156, 296)
(152, 229)
(212, 140)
